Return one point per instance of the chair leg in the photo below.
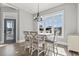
(31, 52)
(57, 51)
(54, 49)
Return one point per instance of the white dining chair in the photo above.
(34, 43)
(27, 41)
(42, 46)
(52, 44)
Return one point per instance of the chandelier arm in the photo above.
(38, 11)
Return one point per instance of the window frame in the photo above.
(53, 14)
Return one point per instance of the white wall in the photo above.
(70, 18)
(8, 15)
(78, 17)
(25, 23)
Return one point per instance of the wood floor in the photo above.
(17, 49)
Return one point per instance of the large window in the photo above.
(52, 22)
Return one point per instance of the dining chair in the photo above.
(42, 46)
(55, 44)
(38, 43)
(34, 41)
(27, 41)
(52, 44)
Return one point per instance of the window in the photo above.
(9, 24)
(52, 22)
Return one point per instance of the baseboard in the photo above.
(21, 41)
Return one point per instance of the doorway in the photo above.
(9, 30)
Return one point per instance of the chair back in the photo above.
(33, 36)
(26, 33)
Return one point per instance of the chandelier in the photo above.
(38, 18)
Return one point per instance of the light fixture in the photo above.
(38, 18)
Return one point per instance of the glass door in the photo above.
(10, 30)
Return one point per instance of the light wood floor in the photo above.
(17, 49)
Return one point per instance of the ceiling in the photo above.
(33, 7)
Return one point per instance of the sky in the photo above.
(53, 21)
